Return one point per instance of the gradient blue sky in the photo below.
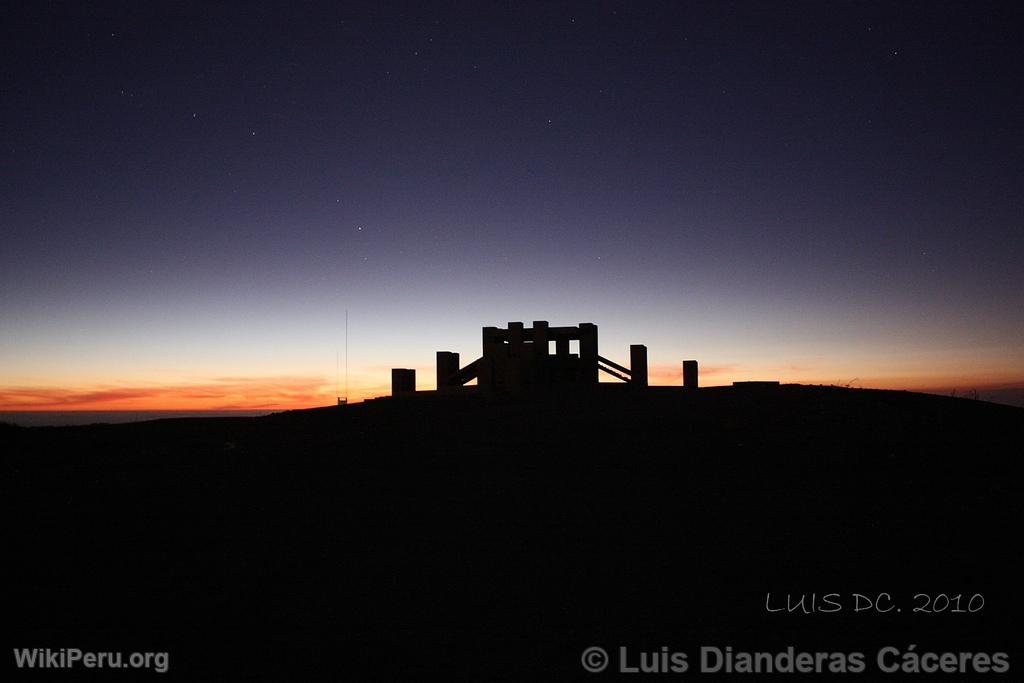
(192, 197)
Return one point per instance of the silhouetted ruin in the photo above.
(519, 358)
(403, 380)
(690, 374)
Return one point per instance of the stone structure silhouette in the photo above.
(520, 358)
(690, 374)
(403, 381)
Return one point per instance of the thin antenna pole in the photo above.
(346, 355)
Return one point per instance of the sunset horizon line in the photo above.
(203, 397)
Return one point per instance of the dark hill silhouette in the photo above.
(495, 538)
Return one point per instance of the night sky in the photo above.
(191, 198)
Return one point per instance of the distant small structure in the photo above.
(518, 358)
(690, 374)
(521, 357)
(403, 381)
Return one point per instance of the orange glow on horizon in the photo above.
(293, 392)
(227, 393)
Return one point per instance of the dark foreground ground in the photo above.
(472, 540)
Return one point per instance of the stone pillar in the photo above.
(403, 381)
(515, 339)
(512, 378)
(447, 367)
(690, 374)
(638, 365)
(588, 353)
(539, 372)
(540, 338)
(492, 346)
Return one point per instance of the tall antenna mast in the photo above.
(337, 371)
(346, 355)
